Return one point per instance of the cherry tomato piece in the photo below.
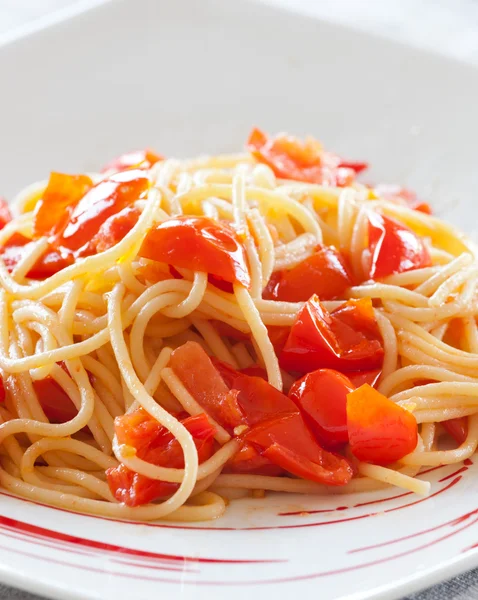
(322, 399)
(138, 159)
(380, 431)
(198, 374)
(156, 445)
(287, 442)
(358, 378)
(48, 264)
(134, 489)
(270, 417)
(291, 158)
(457, 428)
(394, 247)
(199, 244)
(226, 330)
(115, 228)
(56, 403)
(278, 335)
(105, 199)
(251, 461)
(53, 210)
(347, 339)
(255, 371)
(279, 433)
(324, 273)
(257, 399)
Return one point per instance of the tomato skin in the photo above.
(198, 374)
(278, 433)
(380, 431)
(156, 445)
(56, 404)
(134, 489)
(358, 378)
(257, 399)
(152, 441)
(324, 273)
(138, 159)
(457, 428)
(251, 461)
(2, 391)
(226, 330)
(72, 209)
(394, 248)
(199, 244)
(53, 209)
(346, 340)
(322, 399)
(225, 286)
(105, 199)
(291, 158)
(278, 335)
(5, 214)
(115, 228)
(79, 219)
(287, 442)
(401, 195)
(270, 417)
(48, 264)
(255, 370)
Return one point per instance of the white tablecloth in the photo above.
(449, 27)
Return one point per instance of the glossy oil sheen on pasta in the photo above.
(102, 330)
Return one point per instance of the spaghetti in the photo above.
(175, 333)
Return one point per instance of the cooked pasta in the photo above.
(174, 332)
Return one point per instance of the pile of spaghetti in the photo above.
(177, 333)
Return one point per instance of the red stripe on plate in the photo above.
(451, 523)
(50, 534)
(462, 470)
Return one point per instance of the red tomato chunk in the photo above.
(347, 339)
(197, 373)
(115, 228)
(380, 431)
(394, 248)
(56, 404)
(139, 159)
(325, 273)
(48, 264)
(457, 428)
(322, 398)
(79, 219)
(291, 158)
(276, 433)
(154, 444)
(199, 244)
(101, 202)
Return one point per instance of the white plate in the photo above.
(187, 77)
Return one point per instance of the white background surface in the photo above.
(449, 27)
(446, 26)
